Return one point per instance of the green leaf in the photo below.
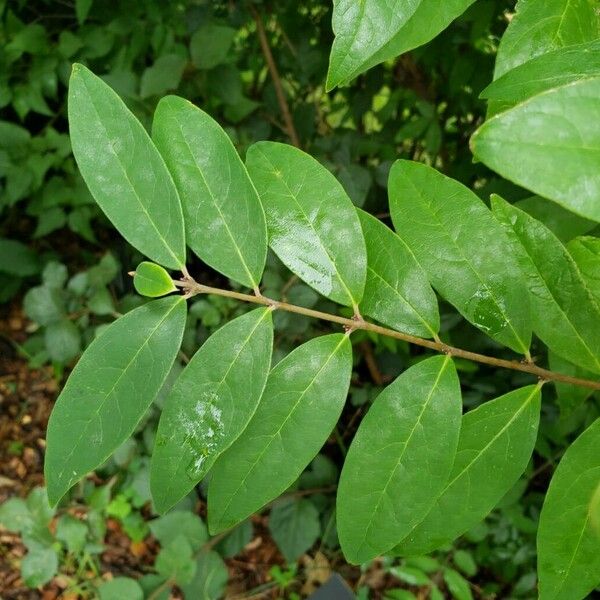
(549, 144)
(235, 541)
(565, 317)
(568, 544)
(302, 401)
(63, 341)
(167, 528)
(225, 223)
(17, 259)
(371, 32)
(44, 305)
(585, 251)
(82, 8)
(124, 171)
(545, 72)
(495, 444)
(569, 397)
(39, 566)
(458, 585)
(564, 224)
(399, 460)
(313, 225)
(463, 249)
(119, 588)
(152, 280)
(210, 578)
(110, 389)
(397, 292)
(175, 561)
(210, 405)
(465, 562)
(540, 27)
(72, 532)
(295, 527)
(164, 75)
(210, 45)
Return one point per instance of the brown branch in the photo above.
(283, 105)
(190, 287)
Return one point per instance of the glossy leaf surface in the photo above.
(152, 280)
(210, 404)
(540, 27)
(124, 171)
(568, 542)
(225, 223)
(397, 292)
(463, 249)
(399, 460)
(545, 72)
(550, 145)
(370, 32)
(301, 404)
(585, 251)
(564, 314)
(110, 389)
(313, 225)
(495, 444)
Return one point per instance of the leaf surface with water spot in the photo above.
(210, 405)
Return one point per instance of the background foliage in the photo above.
(54, 262)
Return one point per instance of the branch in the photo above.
(190, 287)
(283, 105)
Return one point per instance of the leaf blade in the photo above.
(397, 292)
(201, 418)
(312, 223)
(549, 149)
(568, 557)
(370, 32)
(537, 28)
(124, 171)
(564, 315)
(225, 222)
(506, 426)
(393, 473)
(463, 250)
(301, 404)
(100, 387)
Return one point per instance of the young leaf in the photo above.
(110, 389)
(540, 27)
(399, 459)
(564, 314)
(295, 527)
(225, 222)
(495, 444)
(124, 171)
(397, 292)
(210, 405)
(371, 32)
(313, 225)
(545, 72)
(568, 544)
(152, 280)
(301, 404)
(463, 249)
(549, 144)
(585, 251)
(119, 588)
(210, 578)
